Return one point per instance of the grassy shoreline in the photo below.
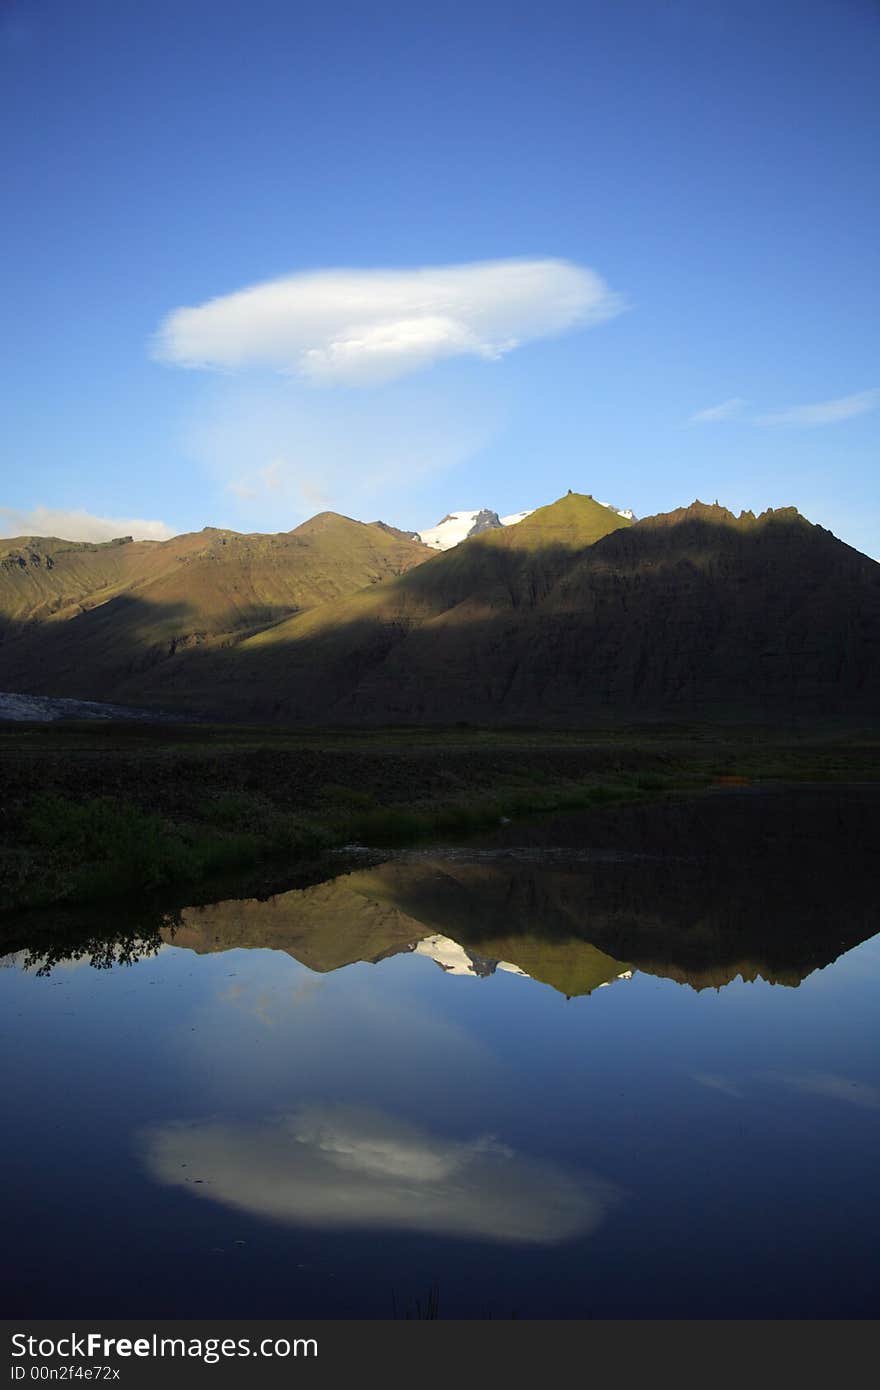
(94, 814)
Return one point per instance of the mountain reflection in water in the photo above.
(769, 884)
(758, 884)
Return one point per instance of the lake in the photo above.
(622, 1064)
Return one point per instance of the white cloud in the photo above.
(363, 327)
(79, 525)
(342, 1166)
(824, 412)
(725, 411)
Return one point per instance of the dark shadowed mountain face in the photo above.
(572, 615)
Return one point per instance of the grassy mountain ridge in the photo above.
(83, 620)
(44, 577)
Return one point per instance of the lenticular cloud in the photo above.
(370, 326)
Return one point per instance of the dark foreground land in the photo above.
(92, 812)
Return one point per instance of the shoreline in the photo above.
(95, 815)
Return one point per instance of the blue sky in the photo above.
(627, 214)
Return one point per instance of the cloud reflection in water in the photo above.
(342, 1166)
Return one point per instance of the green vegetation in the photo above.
(104, 811)
(104, 848)
(378, 825)
(87, 851)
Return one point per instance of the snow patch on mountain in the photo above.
(455, 960)
(456, 527)
(446, 953)
(624, 975)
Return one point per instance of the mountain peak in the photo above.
(714, 514)
(321, 521)
(576, 519)
(460, 526)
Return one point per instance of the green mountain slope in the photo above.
(43, 577)
(408, 632)
(83, 620)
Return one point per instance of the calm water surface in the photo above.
(614, 1066)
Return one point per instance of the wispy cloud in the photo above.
(78, 525)
(363, 327)
(831, 1085)
(824, 412)
(717, 1083)
(345, 1167)
(281, 452)
(260, 481)
(818, 413)
(725, 411)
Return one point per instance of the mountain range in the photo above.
(576, 612)
(77, 616)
